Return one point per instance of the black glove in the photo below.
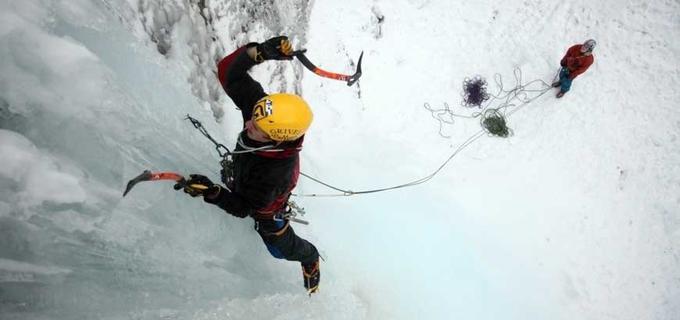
(198, 185)
(277, 48)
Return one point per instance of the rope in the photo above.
(494, 123)
(519, 92)
(249, 149)
(474, 92)
(424, 179)
(218, 146)
(439, 114)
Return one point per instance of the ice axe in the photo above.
(350, 79)
(156, 176)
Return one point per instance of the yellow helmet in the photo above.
(282, 116)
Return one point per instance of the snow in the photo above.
(575, 216)
(37, 175)
(14, 271)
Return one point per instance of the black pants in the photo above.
(283, 243)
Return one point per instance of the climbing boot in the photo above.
(311, 276)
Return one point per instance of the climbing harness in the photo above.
(290, 213)
(227, 163)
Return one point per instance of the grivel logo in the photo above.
(262, 109)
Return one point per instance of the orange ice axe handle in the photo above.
(154, 176)
(350, 79)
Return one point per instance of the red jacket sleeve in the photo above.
(232, 71)
(571, 52)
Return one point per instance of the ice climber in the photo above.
(577, 60)
(266, 157)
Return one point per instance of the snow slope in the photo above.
(573, 217)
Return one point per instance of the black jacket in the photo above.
(263, 180)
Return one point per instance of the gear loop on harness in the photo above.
(290, 213)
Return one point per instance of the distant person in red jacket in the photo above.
(577, 60)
